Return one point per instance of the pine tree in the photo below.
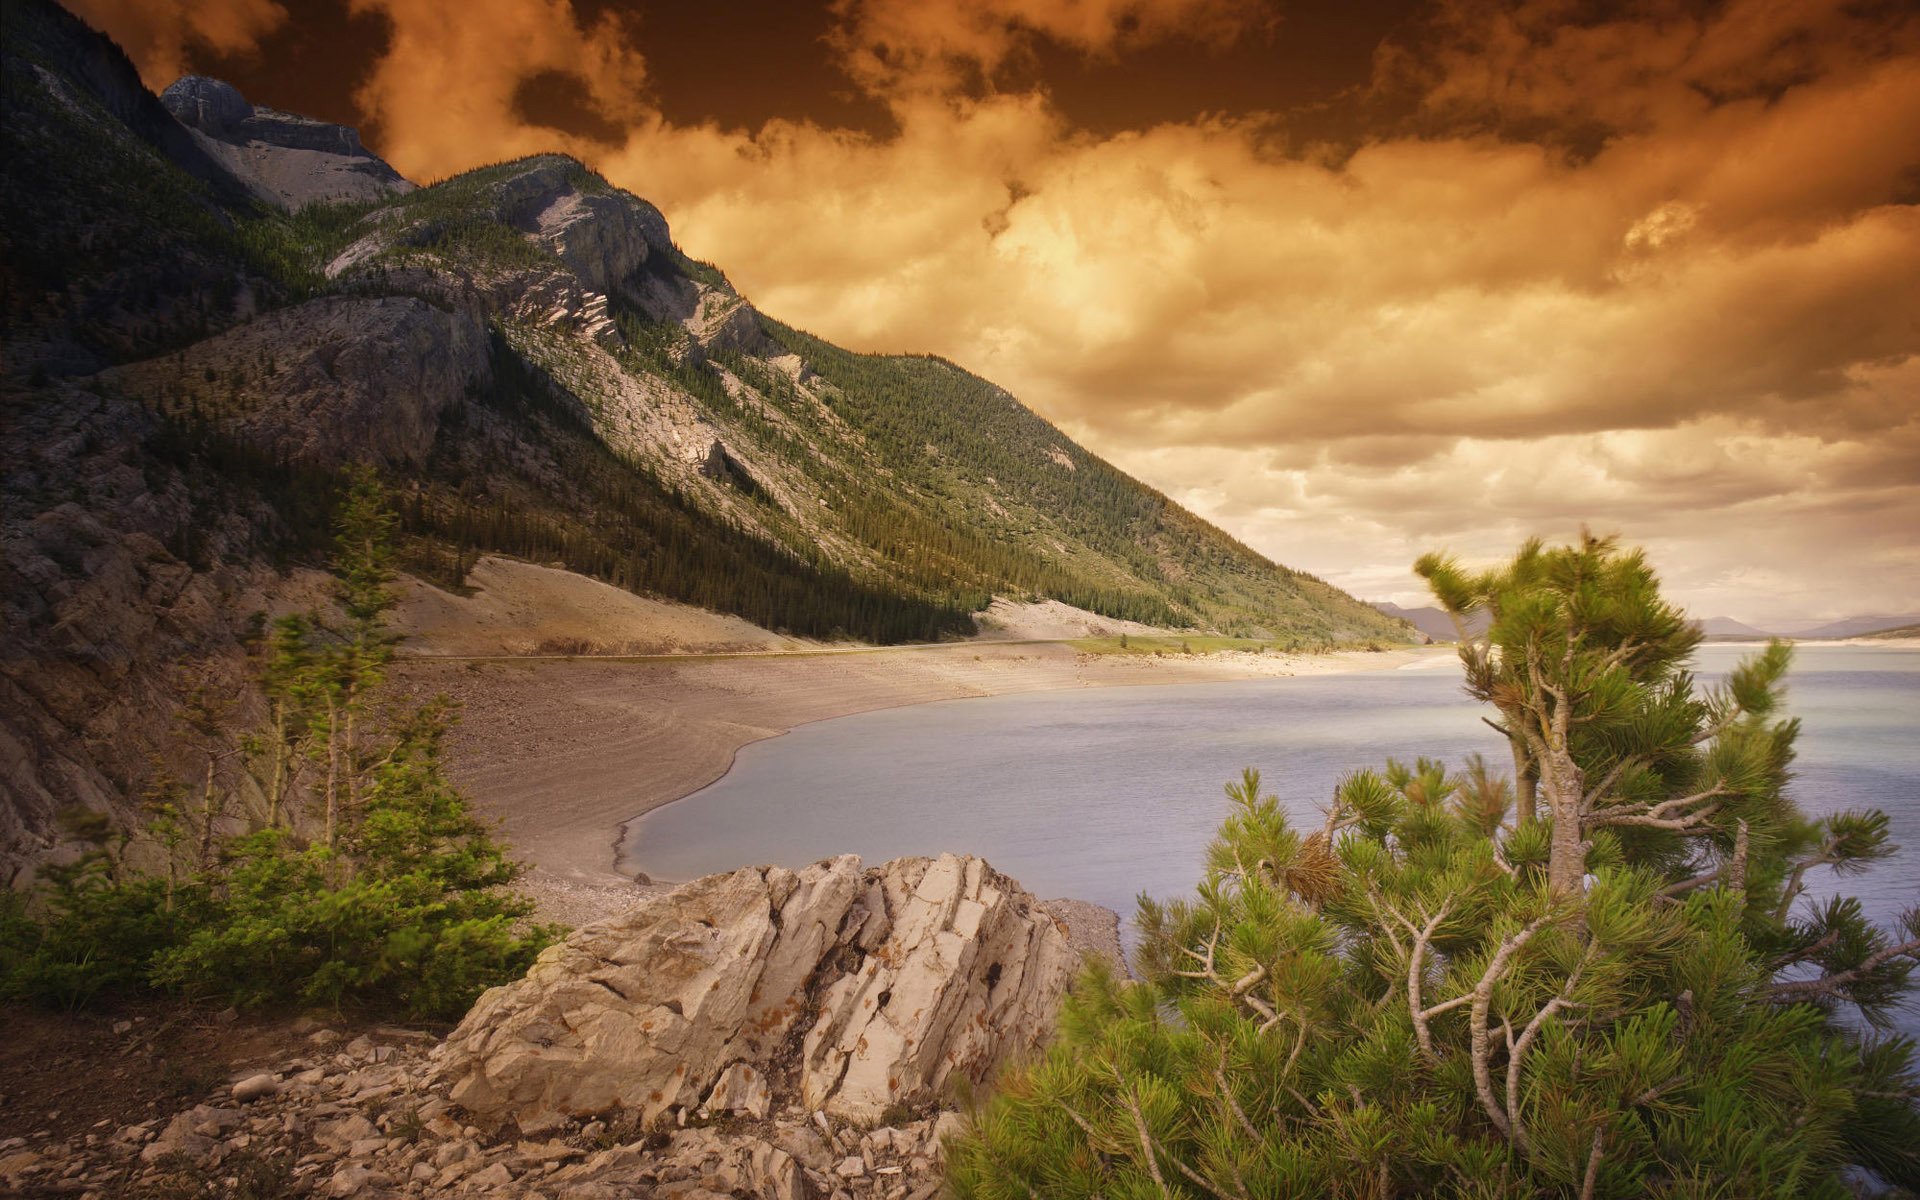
(1438, 992)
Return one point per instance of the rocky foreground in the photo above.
(767, 1033)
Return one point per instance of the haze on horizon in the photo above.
(1352, 281)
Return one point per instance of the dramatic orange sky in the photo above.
(1353, 280)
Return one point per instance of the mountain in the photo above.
(1899, 631)
(1433, 622)
(1859, 626)
(285, 160)
(1727, 627)
(213, 310)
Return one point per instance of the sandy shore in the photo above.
(562, 751)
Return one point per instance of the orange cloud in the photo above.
(937, 46)
(1661, 273)
(156, 34)
(444, 91)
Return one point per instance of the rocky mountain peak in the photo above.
(210, 105)
(284, 159)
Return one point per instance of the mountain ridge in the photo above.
(193, 356)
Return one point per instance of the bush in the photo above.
(399, 899)
(1591, 981)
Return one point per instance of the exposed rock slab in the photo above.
(850, 989)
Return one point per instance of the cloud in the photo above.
(1658, 272)
(157, 34)
(893, 47)
(1556, 65)
(449, 92)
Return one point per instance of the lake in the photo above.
(1101, 794)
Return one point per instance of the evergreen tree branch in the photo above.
(1592, 1176)
(1831, 986)
(1146, 1141)
(1517, 1048)
(1416, 963)
(1482, 998)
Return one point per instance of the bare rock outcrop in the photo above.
(282, 158)
(603, 237)
(851, 990)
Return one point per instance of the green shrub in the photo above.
(391, 895)
(1590, 981)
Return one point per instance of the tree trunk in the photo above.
(277, 780)
(206, 818)
(1565, 784)
(1526, 783)
(333, 767)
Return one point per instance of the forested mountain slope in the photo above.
(197, 341)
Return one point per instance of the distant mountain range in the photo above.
(1431, 621)
(1807, 630)
(1437, 625)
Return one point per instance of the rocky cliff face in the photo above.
(848, 990)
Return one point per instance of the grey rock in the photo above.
(281, 158)
(209, 105)
(896, 982)
(349, 1179)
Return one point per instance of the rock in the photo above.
(209, 105)
(897, 981)
(602, 238)
(946, 1127)
(349, 1179)
(287, 160)
(740, 1089)
(255, 1087)
(172, 1141)
(644, 1011)
(850, 1167)
(970, 972)
(18, 1163)
(1091, 929)
(496, 1175)
(344, 1132)
(536, 1154)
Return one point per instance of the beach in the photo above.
(561, 751)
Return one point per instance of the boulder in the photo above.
(847, 988)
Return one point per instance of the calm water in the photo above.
(1104, 793)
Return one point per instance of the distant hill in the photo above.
(1902, 631)
(1727, 627)
(1860, 626)
(1429, 620)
